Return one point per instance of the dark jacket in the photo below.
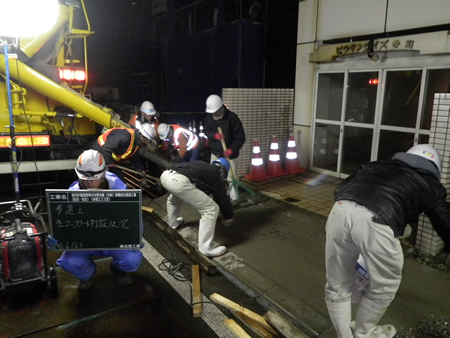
(206, 177)
(398, 193)
(233, 132)
(118, 141)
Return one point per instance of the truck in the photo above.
(53, 117)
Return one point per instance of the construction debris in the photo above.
(251, 325)
(234, 327)
(230, 305)
(197, 307)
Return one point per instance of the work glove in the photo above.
(218, 136)
(228, 152)
(51, 242)
(227, 222)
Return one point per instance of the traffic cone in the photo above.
(274, 165)
(291, 165)
(257, 170)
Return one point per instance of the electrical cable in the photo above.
(174, 268)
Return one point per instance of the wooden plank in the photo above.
(284, 326)
(218, 299)
(148, 209)
(251, 325)
(194, 255)
(197, 307)
(234, 327)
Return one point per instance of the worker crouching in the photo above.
(192, 183)
(92, 174)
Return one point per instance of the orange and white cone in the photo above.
(257, 170)
(291, 164)
(274, 165)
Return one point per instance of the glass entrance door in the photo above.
(362, 116)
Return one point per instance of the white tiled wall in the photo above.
(264, 112)
(427, 240)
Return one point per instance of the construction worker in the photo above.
(192, 183)
(183, 144)
(118, 144)
(146, 114)
(372, 209)
(92, 174)
(233, 131)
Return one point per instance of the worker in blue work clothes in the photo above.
(92, 174)
(233, 133)
(192, 183)
(372, 209)
(118, 144)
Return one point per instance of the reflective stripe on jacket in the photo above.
(130, 150)
(192, 139)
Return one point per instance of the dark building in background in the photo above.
(177, 52)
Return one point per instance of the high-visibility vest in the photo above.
(129, 152)
(192, 138)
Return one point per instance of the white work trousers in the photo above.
(182, 190)
(350, 231)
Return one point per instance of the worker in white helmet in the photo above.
(233, 132)
(372, 209)
(183, 144)
(92, 174)
(147, 114)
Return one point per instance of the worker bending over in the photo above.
(192, 183)
(183, 145)
(372, 208)
(118, 144)
(92, 174)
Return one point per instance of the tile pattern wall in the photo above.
(264, 112)
(427, 240)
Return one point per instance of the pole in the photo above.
(14, 166)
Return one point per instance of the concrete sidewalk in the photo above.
(276, 254)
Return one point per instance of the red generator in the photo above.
(23, 250)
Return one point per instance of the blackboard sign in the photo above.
(95, 219)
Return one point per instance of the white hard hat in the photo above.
(163, 130)
(147, 131)
(148, 108)
(213, 103)
(90, 165)
(428, 152)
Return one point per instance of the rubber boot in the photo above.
(205, 237)
(172, 215)
(367, 317)
(341, 315)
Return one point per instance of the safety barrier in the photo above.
(257, 169)
(291, 165)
